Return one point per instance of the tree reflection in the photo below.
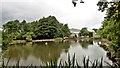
(39, 50)
(85, 43)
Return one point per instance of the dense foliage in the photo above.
(84, 32)
(111, 24)
(0, 36)
(45, 28)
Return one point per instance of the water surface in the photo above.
(39, 53)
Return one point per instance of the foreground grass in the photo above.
(71, 63)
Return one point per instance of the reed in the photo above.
(71, 63)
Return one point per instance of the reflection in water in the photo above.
(38, 53)
(31, 53)
(86, 43)
(82, 49)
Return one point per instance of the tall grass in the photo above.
(71, 63)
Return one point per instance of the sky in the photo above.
(83, 15)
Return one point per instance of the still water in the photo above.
(39, 53)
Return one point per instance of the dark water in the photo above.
(39, 53)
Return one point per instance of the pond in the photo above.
(39, 53)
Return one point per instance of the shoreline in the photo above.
(34, 41)
(104, 42)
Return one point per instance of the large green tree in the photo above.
(65, 30)
(111, 24)
(11, 31)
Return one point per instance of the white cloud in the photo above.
(83, 15)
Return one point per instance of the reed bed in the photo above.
(71, 63)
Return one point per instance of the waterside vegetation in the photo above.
(45, 28)
(71, 62)
(111, 27)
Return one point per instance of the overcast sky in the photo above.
(83, 15)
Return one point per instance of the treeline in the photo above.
(45, 28)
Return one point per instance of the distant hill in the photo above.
(74, 30)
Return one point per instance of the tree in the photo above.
(47, 27)
(22, 26)
(84, 32)
(44, 28)
(111, 24)
(65, 30)
(10, 31)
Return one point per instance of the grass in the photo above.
(71, 63)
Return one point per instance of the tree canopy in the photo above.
(84, 32)
(44, 28)
(111, 24)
